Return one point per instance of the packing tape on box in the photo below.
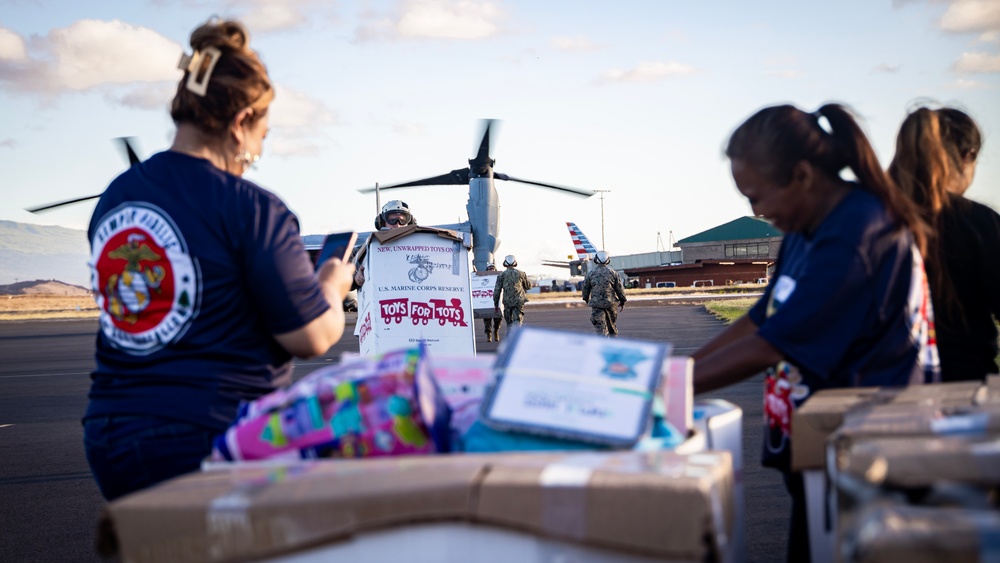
(564, 494)
(228, 522)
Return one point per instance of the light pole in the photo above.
(602, 192)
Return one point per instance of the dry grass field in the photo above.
(32, 307)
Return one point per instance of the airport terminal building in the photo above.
(741, 251)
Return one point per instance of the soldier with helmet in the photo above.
(513, 284)
(492, 324)
(602, 288)
(394, 215)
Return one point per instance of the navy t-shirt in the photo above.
(194, 270)
(848, 306)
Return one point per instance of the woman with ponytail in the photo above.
(934, 164)
(204, 288)
(848, 305)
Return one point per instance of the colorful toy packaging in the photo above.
(363, 407)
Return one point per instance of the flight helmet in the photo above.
(510, 261)
(395, 206)
(602, 258)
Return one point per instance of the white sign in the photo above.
(575, 385)
(417, 289)
(482, 293)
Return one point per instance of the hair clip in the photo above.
(185, 62)
(192, 65)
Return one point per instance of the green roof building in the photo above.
(746, 238)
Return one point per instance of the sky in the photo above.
(637, 97)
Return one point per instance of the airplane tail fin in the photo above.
(584, 248)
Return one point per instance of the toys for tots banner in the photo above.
(482, 294)
(417, 289)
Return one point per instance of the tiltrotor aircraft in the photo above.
(484, 204)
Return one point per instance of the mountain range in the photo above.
(40, 252)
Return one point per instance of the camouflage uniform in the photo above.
(602, 290)
(513, 283)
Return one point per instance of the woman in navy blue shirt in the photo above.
(848, 303)
(204, 288)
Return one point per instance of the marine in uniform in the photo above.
(513, 284)
(603, 290)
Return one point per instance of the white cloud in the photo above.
(8, 144)
(978, 63)
(964, 84)
(647, 72)
(273, 16)
(435, 19)
(153, 95)
(783, 73)
(990, 37)
(11, 46)
(295, 110)
(444, 19)
(886, 68)
(90, 54)
(295, 119)
(578, 44)
(781, 60)
(965, 16)
(285, 145)
(408, 128)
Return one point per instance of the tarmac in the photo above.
(49, 504)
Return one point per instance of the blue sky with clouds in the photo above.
(635, 97)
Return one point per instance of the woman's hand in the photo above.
(324, 331)
(335, 279)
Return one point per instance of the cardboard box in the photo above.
(917, 461)
(825, 410)
(656, 503)
(891, 534)
(923, 455)
(417, 289)
(483, 284)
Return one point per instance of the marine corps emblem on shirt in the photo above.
(143, 277)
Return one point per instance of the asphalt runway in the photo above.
(49, 504)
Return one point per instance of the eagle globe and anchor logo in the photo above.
(144, 279)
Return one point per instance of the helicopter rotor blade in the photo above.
(133, 158)
(60, 204)
(576, 191)
(488, 129)
(455, 177)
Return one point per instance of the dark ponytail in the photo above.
(777, 138)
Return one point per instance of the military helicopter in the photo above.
(484, 204)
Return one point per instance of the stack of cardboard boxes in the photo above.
(909, 474)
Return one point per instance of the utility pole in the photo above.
(659, 242)
(602, 192)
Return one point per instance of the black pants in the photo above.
(798, 528)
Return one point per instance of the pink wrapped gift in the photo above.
(361, 408)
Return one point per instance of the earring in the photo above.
(247, 160)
